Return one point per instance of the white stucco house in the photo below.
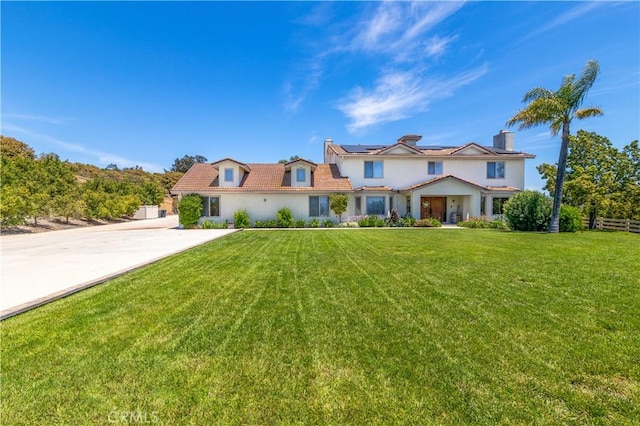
(450, 183)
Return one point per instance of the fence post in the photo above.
(627, 224)
(600, 224)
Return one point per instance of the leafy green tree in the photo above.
(557, 109)
(13, 209)
(70, 205)
(185, 163)
(292, 158)
(151, 193)
(11, 148)
(338, 204)
(168, 180)
(190, 210)
(600, 179)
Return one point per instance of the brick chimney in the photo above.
(410, 140)
(503, 140)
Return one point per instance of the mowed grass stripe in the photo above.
(344, 326)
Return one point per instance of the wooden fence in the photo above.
(626, 225)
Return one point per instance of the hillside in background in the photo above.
(43, 188)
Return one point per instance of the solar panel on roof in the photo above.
(362, 149)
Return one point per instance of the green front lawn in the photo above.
(343, 326)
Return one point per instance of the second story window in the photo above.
(301, 175)
(495, 170)
(228, 175)
(373, 169)
(434, 168)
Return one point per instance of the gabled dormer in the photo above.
(301, 171)
(472, 149)
(230, 172)
(400, 148)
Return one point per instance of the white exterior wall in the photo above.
(475, 170)
(265, 205)
(402, 172)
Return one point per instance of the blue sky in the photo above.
(141, 83)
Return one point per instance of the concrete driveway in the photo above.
(39, 268)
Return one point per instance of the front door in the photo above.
(432, 207)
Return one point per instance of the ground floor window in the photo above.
(408, 205)
(483, 205)
(358, 206)
(375, 205)
(498, 204)
(318, 206)
(211, 206)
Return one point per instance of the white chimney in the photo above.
(327, 142)
(504, 140)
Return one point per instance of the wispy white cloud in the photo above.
(436, 46)
(103, 158)
(400, 94)
(313, 139)
(38, 118)
(395, 30)
(572, 14)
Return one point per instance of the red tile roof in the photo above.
(203, 177)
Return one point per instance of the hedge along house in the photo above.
(449, 183)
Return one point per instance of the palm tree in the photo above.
(557, 109)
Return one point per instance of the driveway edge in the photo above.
(24, 307)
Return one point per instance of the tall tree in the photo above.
(557, 109)
(599, 178)
(185, 163)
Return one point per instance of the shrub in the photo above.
(499, 224)
(570, 219)
(190, 210)
(394, 218)
(269, 223)
(371, 221)
(428, 223)
(313, 223)
(475, 222)
(328, 223)
(207, 224)
(300, 223)
(528, 211)
(241, 219)
(408, 221)
(352, 224)
(284, 218)
(483, 222)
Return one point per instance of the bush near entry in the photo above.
(190, 210)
